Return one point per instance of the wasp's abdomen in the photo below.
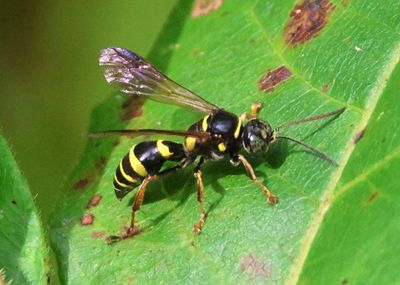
(142, 160)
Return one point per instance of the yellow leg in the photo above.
(139, 200)
(200, 195)
(271, 197)
(255, 108)
(131, 231)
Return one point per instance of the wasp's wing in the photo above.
(141, 132)
(135, 75)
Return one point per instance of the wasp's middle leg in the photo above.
(200, 194)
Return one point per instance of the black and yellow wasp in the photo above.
(217, 135)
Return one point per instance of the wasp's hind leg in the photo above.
(200, 193)
(132, 230)
(272, 199)
(138, 202)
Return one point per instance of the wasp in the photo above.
(219, 134)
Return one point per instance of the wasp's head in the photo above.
(257, 136)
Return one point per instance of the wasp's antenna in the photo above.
(313, 118)
(309, 147)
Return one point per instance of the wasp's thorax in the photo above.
(257, 136)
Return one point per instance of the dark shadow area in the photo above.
(277, 153)
(212, 172)
(325, 124)
(163, 48)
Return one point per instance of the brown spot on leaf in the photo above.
(307, 20)
(345, 3)
(345, 281)
(81, 184)
(100, 163)
(87, 219)
(203, 7)
(198, 53)
(131, 280)
(372, 197)
(254, 267)
(325, 88)
(98, 234)
(115, 143)
(132, 108)
(14, 202)
(94, 201)
(223, 14)
(272, 78)
(359, 136)
(126, 233)
(90, 175)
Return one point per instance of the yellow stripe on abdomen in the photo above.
(120, 183)
(125, 175)
(136, 164)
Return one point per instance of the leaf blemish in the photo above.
(203, 7)
(272, 78)
(372, 197)
(100, 163)
(98, 234)
(359, 136)
(198, 53)
(223, 14)
(132, 108)
(307, 20)
(345, 3)
(94, 201)
(126, 233)
(254, 267)
(87, 219)
(325, 88)
(14, 202)
(81, 184)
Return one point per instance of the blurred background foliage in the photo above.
(50, 80)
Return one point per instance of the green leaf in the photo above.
(23, 254)
(221, 56)
(359, 233)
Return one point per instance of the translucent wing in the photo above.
(204, 136)
(135, 75)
